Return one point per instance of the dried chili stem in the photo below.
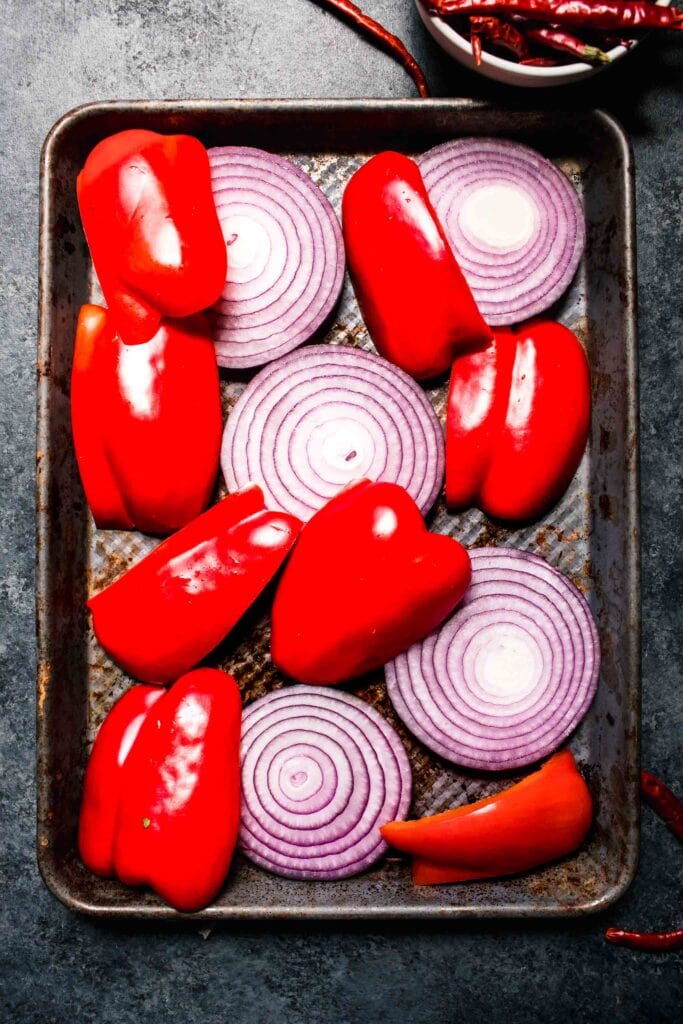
(556, 39)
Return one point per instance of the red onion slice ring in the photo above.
(514, 222)
(318, 419)
(321, 771)
(509, 676)
(285, 256)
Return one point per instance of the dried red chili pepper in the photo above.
(597, 14)
(670, 810)
(653, 942)
(378, 33)
(556, 39)
(476, 48)
(501, 34)
(667, 805)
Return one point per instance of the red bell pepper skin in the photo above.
(364, 582)
(174, 606)
(146, 422)
(180, 802)
(150, 220)
(103, 777)
(416, 303)
(540, 819)
(518, 421)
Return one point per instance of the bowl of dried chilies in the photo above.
(538, 43)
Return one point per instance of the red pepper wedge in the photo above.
(174, 606)
(102, 787)
(517, 422)
(162, 793)
(415, 301)
(179, 812)
(146, 422)
(364, 582)
(540, 819)
(151, 224)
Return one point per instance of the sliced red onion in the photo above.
(317, 419)
(506, 679)
(285, 256)
(321, 771)
(514, 222)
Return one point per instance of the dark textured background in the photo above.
(56, 968)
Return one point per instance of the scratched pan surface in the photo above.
(592, 535)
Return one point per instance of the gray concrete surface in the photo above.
(56, 968)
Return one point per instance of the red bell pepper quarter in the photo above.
(416, 303)
(517, 422)
(364, 582)
(170, 610)
(103, 777)
(540, 819)
(162, 789)
(146, 422)
(150, 220)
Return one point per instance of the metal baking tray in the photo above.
(592, 535)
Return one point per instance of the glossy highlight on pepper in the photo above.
(166, 613)
(162, 792)
(415, 301)
(149, 217)
(517, 421)
(103, 785)
(365, 581)
(146, 422)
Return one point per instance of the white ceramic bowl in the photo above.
(508, 71)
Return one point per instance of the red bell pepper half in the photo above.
(364, 582)
(162, 789)
(416, 303)
(151, 224)
(167, 612)
(103, 777)
(518, 421)
(540, 819)
(146, 422)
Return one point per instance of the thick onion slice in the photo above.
(506, 679)
(322, 417)
(321, 771)
(514, 221)
(285, 256)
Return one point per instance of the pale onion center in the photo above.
(300, 777)
(346, 445)
(500, 216)
(247, 242)
(506, 666)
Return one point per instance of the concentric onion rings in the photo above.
(321, 772)
(515, 279)
(322, 417)
(506, 679)
(285, 256)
